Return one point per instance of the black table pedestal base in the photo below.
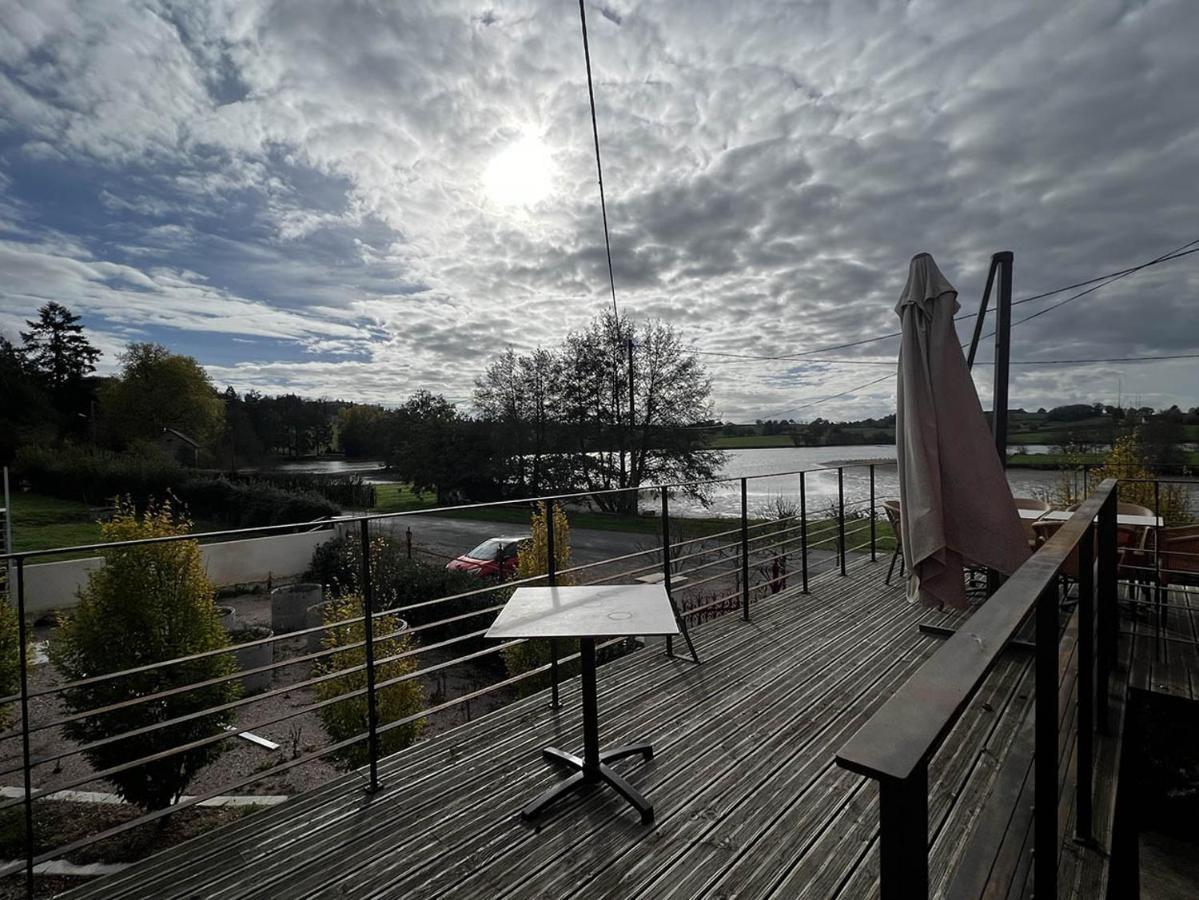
(592, 774)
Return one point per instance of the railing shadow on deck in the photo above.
(724, 568)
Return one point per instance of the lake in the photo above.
(725, 499)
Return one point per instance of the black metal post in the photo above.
(982, 316)
(1158, 595)
(1106, 610)
(408, 541)
(803, 528)
(1086, 685)
(903, 836)
(368, 622)
(873, 524)
(1003, 346)
(744, 552)
(1045, 837)
(22, 658)
(666, 557)
(551, 578)
(841, 516)
(591, 751)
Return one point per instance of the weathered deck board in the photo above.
(748, 799)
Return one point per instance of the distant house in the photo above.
(179, 446)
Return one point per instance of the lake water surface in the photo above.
(725, 499)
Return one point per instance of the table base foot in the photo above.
(584, 775)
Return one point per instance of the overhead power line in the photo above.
(1023, 362)
(599, 169)
(1105, 279)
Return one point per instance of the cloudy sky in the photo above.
(359, 199)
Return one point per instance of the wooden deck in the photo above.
(748, 799)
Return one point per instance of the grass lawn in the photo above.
(397, 497)
(41, 523)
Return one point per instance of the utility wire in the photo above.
(599, 170)
(1021, 362)
(1105, 279)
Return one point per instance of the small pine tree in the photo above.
(146, 604)
(55, 347)
(350, 717)
(533, 560)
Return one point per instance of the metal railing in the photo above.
(895, 745)
(718, 571)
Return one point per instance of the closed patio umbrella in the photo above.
(956, 503)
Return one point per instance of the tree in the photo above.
(56, 349)
(156, 390)
(146, 604)
(365, 431)
(437, 450)
(26, 412)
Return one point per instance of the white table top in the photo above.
(1061, 515)
(659, 578)
(611, 610)
(1030, 513)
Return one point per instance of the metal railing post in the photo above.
(803, 528)
(744, 552)
(841, 516)
(873, 524)
(1106, 609)
(22, 658)
(368, 623)
(551, 578)
(666, 557)
(1158, 594)
(1045, 724)
(1086, 685)
(903, 836)
(408, 540)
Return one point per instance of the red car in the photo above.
(495, 558)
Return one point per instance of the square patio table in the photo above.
(587, 613)
(1061, 515)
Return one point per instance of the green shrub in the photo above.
(10, 658)
(147, 604)
(249, 505)
(97, 476)
(349, 718)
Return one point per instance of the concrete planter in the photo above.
(289, 605)
(253, 657)
(227, 616)
(316, 618)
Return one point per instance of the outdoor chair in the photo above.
(1068, 573)
(891, 508)
(1179, 557)
(1030, 503)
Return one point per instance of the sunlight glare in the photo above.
(521, 174)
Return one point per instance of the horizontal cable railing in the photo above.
(718, 572)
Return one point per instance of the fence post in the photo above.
(1158, 594)
(841, 516)
(744, 553)
(551, 578)
(666, 557)
(23, 660)
(1086, 684)
(368, 623)
(803, 528)
(903, 836)
(1045, 712)
(1106, 609)
(408, 540)
(873, 528)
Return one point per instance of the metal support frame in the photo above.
(903, 836)
(592, 767)
(679, 619)
(841, 517)
(368, 625)
(1105, 609)
(1084, 792)
(22, 653)
(803, 529)
(551, 578)
(873, 522)
(1045, 764)
(1001, 263)
(744, 552)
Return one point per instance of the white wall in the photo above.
(54, 585)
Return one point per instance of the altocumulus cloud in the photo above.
(303, 194)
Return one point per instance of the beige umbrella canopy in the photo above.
(957, 506)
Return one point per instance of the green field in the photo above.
(40, 523)
(398, 497)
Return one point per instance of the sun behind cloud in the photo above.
(522, 174)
